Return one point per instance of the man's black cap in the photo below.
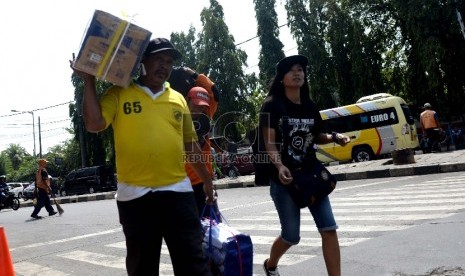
(158, 45)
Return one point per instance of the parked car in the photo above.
(54, 185)
(17, 188)
(28, 192)
(237, 164)
(89, 180)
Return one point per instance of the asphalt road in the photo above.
(410, 225)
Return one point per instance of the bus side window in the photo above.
(407, 114)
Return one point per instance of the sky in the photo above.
(39, 37)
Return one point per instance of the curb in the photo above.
(394, 172)
(376, 173)
(75, 199)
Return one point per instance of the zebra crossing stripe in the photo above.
(307, 242)
(111, 231)
(380, 217)
(402, 209)
(406, 192)
(396, 197)
(312, 228)
(395, 202)
(266, 240)
(105, 260)
(31, 269)
(426, 184)
(393, 217)
(286, 259)
(122, 245)
(96, 259)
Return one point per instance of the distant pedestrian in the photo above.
(430, 126)
(458, 138)
(3, 188)
(43, 189)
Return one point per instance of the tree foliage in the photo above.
(95, 148)
(414, 49)
(271, 48)
(216, 55)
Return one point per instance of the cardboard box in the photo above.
(112, 48)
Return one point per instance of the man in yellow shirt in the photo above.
(153, 131)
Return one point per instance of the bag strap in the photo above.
(212, 213)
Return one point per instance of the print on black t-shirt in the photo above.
(297, 138)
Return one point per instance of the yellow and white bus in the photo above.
(377, 124)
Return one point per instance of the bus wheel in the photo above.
(362, 154)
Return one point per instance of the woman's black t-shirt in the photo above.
(297, 127)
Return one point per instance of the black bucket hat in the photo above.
(158, 45)
(285, 64)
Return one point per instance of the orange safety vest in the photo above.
(428, 119)
(40, 183)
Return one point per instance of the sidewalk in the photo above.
(441, 162)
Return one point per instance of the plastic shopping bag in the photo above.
(229, 251)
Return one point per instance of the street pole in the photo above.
(33, 132)
(40, 140)
(33, 127)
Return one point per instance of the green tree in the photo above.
(16, 155)
(215, 54)
(436, 53)
(5, 163)
(308, 24)
(185, 43)
(271, 48)
(96, 148)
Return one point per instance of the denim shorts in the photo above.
(289, 214)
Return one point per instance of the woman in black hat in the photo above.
(289, 100)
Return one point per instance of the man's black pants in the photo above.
(167, 215)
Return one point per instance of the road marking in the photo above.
(30, 269)
(96, 259)
(426, 185)
(386, 201)
(112, 231)
(379, 217)
(402, 209)
(107, 260)
(122, 245)
(345, 228)
(286, 260)
(306, 242)
(355, 186)
(394, 217)
(404, 192)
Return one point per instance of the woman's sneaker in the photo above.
(268, 271)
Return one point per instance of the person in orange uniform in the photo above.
(202, 99)
(201, 105)
(430, 126)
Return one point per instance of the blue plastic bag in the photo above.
(229, 251)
